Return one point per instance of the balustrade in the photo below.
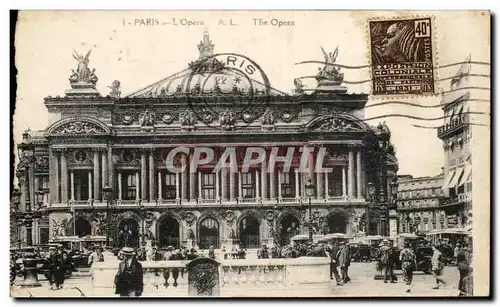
(237, 277)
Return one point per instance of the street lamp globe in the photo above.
(310, 189)
(107, 191)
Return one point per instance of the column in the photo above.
(217, 186)
(350, 175)
(359, 187)
(257, 196)
(240, 186)
(144, 193)
(192, 182)
(232, 186)
(296, 175)
(104, 174)
(200, 196)
(320, 186)
(54, 176)
(72, 179)
(120, 195)
(97, 184)
(184, 183)
(223, 184)
(110, 167)
(344, 183)
(263, 173)
(151, 176)
(90, 186)
(31, 186)
(280, 173)
(137, 191)
(326, 185)
(177, 187)
(64, 178)
(272, 186)
(36, 187)
(160, 192)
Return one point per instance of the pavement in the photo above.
(361, 274)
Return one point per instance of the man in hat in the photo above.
(211, 252)
(96, 256)
(129, 278)
(344, 261)
(437, 266)
(387, 261)
(263, 253)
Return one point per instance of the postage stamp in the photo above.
(402, 59)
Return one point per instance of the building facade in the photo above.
(456, 134)
(123, 146)
(419, 205)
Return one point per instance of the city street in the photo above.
(362, 284)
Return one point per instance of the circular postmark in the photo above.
(227, 90)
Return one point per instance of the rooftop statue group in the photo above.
(83, 74)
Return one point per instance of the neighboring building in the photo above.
(456, 134)
(94, 141)
(418, 204)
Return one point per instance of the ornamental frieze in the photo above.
(337, 125)
(78, 128)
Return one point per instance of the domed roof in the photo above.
(213, 74)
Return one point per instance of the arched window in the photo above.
(209, 233)
(288, 227)
(168, 232)
(250, 232)
(82, 227)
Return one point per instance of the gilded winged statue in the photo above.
(329, 71)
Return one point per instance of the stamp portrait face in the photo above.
(402, 56)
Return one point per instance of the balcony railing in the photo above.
(454, 125)
(455, 200)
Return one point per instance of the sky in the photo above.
(140, 48)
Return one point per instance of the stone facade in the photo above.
(93, 142)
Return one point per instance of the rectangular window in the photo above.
(81, 185)
(418, 194)
(208, 186)
(410, 194)
(335, 182)
(403, 228)
(287, 185)
(128, 185)
(169, 189)
(247, 185)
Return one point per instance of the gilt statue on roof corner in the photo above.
(329, 77)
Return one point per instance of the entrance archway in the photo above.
(82, 227)
(288, 227)
(168, 232)
(250, 231)
(209, 233)
(337, 223)
(128, 233)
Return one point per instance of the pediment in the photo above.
(78, 126)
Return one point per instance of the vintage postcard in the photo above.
(251, 154)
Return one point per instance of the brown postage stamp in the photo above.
(402, 56)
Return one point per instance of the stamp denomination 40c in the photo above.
(402, 59)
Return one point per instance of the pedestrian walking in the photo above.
(211, 252)
(96, 256)
(129, 278)
(387, 261)
(344, 261)
(57, 268)
(263, 253)
(437, 266)
(463, 265)
(332, 253)
(408, 264)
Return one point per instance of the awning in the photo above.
(467, 173)
(458, 176)
(448, 179)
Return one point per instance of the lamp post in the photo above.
(108, 193)
(16, 214)
(371, 202)
(310, 191)
(393, 198)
